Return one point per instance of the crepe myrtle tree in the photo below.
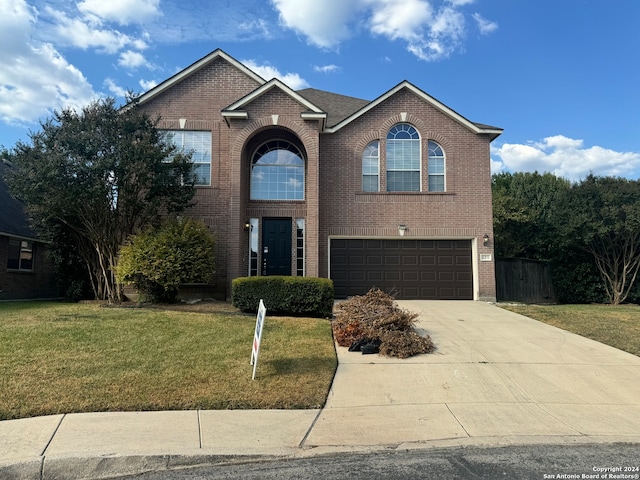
(100, 175)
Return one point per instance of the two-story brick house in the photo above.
(393, 193)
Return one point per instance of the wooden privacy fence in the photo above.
(523, 280)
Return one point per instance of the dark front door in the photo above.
(276, 246)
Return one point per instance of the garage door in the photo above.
(410, 269)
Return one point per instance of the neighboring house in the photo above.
(393, 193)
(25, 270)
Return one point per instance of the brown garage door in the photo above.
(410, 269)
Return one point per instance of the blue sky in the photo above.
(561, 77)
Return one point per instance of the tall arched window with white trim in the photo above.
(436, 168)
(277, 172)
(403, 159)
(371, 167)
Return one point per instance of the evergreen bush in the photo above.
(284, 295)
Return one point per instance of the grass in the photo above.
(64, 358)
(617, 326)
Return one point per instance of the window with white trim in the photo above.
(198, 143)
(403, 159)
(436, 167)
(277, 172)
(371, 167)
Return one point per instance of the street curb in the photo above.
(101, 468)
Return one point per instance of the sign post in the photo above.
(257, 336)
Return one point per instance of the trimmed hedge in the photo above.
(296, 296)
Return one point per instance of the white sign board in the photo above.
(257, 336)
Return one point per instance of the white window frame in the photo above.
(433, 146)
(394, 143)
(371, 156)
(201, 152)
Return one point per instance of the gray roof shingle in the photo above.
(13, 219)
(337, 107)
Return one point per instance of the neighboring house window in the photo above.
(277, 172)
(199, 145)
(436, 168)
(371, 167)
(403, 159)
(20, 255)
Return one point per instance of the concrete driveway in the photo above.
(496, 378)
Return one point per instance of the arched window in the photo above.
(371, 167)
(403, 159)
(277, 172)
(436, 168)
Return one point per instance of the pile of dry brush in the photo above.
(376, 317)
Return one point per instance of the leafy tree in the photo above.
(157, 261)
(601, 215)
(97, 176)
(523, 218)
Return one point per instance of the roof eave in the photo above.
(493, 132)
(268, 86)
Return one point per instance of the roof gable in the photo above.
(235, 110)
(193, 68)
(477, 128)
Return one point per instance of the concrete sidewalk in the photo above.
(497, 378)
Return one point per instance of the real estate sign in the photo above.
(257, 337)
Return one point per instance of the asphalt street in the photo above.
(531, 462)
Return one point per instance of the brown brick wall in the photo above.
(334, 204)
(463, 211)
(16, 285)
(199, 99)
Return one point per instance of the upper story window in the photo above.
(20, 255)
(371, 167)
(436, 167)
(403, 159)
(277, 172)
(197, 143)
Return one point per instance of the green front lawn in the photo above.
(63, 358)
(617, 326)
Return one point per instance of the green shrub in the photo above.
(158, 260)
(304, 296)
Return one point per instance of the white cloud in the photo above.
(147, 84)
(122, 11)
(86, 33)
(131, 59)
(485, 26)
(460, 3)
(325, 24)
(326, 68)
(115, 89)
(565, 157)
(430, 33)
(35, 78)
(400, 20)
(292, 80)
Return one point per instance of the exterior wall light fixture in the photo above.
(402, 229)
(485, 240)
(247, 226)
